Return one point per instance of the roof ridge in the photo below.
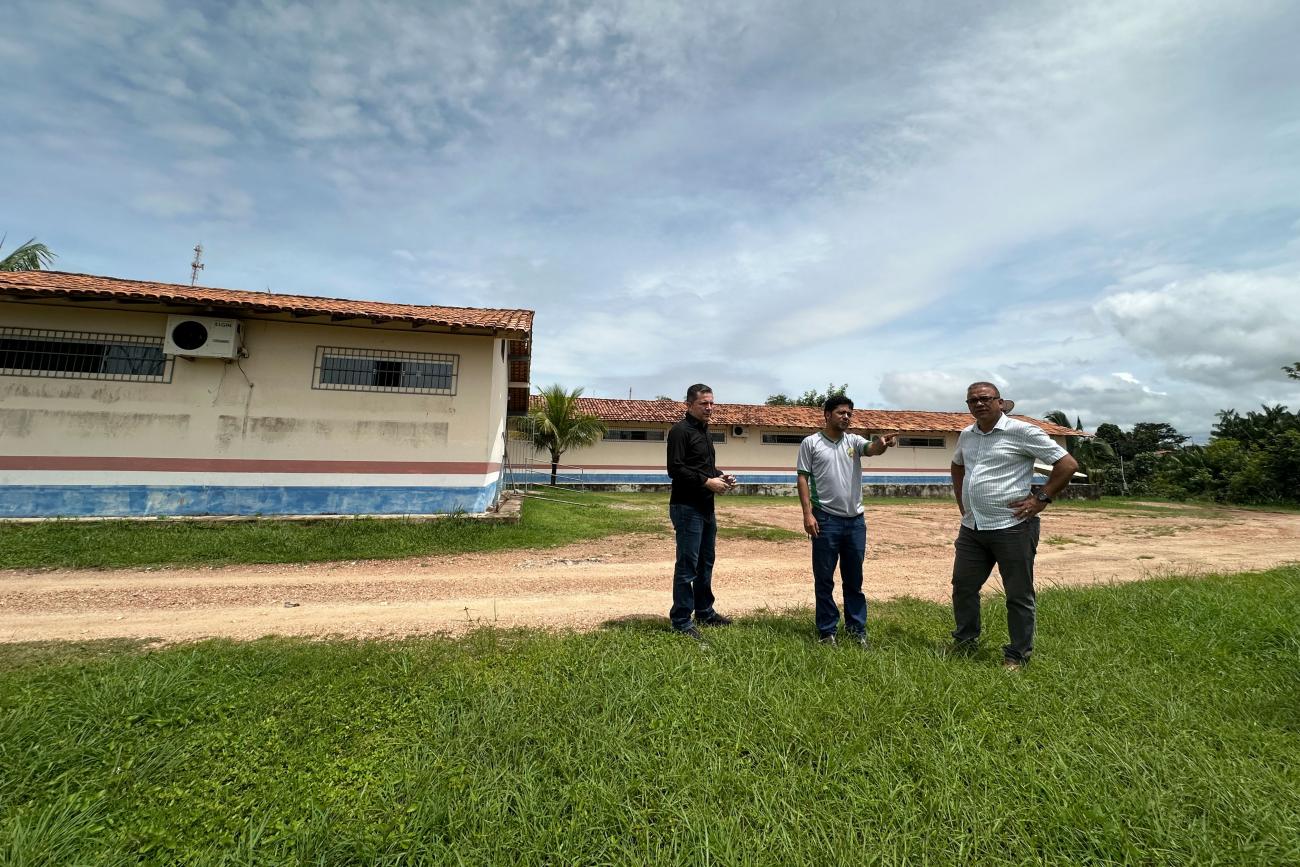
(254, 293)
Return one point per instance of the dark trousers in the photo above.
(697, 534)
(842, 540)
(1012, 549)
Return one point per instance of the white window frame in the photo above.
(908, 442)
(104, 352)
(773, 442)
(662, 435)
(395, 362)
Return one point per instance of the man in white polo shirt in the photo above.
(992, 471)
(830, 491)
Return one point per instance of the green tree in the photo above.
(811, 397)
(1292, 370)
(558, 424)
(1093, 453)
(1251, 458)
(1116, 439)
(1058, 417)
(1136, 452)
(1256, 429)
(29, 257)
(1155, 436)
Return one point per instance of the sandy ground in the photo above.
(583, 586)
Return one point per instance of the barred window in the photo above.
(922, 442)
(717, 436)
(83, 355)
(783, 439)
(342, 369)
(629, 435)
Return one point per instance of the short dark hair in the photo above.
(974, 385)
(696, 390)
(835, 400)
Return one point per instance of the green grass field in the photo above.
(109, 544)
(1158, 725)
(547, 523)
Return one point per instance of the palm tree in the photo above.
(559, 425)
(1058, 417)
(1093, 453)
(29, 257)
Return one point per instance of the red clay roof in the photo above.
(86, 286)
(801, 417)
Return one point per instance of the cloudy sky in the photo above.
(1094, 204)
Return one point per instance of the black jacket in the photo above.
(691, 463)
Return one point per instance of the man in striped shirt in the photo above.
(992, 471)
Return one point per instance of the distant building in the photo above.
(127, 398)
(759, 444)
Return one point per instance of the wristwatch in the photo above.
(1042, 498)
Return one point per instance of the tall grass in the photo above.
(104, 544)
(1158, 724)
(546, 523)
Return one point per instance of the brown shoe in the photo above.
(1012, 665)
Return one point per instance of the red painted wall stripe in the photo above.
(240, 465)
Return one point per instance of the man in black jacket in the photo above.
(696, 478)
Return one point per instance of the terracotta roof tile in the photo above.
(801, 417)
(59, 284)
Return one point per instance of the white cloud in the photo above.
(202, 135)
(1219, 328)
(906, 197)
(939, 390)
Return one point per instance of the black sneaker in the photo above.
(860, 639)
(714, 619)
(691, 632)
(829, 640)
(963, 648)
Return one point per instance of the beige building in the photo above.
(127, 398)
(759, 444)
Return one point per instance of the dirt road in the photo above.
(582, 586)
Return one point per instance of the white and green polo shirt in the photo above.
(834, 471)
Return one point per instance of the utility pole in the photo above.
(197, 265)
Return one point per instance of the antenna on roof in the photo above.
(629, 392)
(196, 266)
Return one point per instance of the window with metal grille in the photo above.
(717, 436)
(342, 369)
(783, 439)
(922, 442)
(83, 355)
(629, 435)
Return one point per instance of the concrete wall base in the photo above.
(936, 491)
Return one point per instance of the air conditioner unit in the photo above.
(738, 431)
(203, 337)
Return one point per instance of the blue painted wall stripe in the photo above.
(52, 501)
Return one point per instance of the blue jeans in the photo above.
(697, 533)
(842, 540)
(1013, 550)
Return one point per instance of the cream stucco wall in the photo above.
(267, 410)
(747, 453)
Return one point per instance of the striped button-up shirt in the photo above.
(999, 469)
